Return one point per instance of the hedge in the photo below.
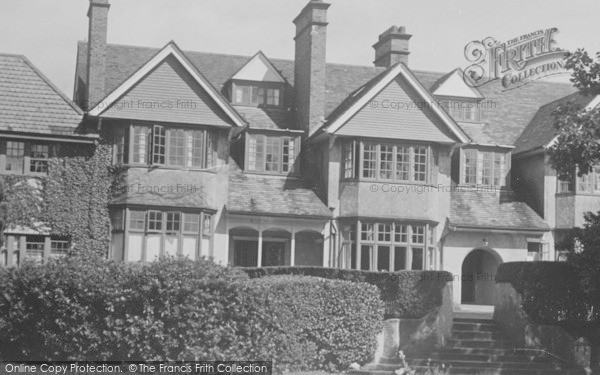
(177, 309)
(340, 318)
(406, 294)
(551, 292)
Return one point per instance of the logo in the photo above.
(515, 62)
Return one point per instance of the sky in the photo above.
(47, 31)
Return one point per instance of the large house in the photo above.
(257, 161)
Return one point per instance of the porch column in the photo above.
(22, 249)
(260, 243)
(293, 248)
(409, 257)
(47, 246)
(10, 247)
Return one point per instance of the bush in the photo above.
(177, 309)
(339, 320)
(551, 291)
(406, 294)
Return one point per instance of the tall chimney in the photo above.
(392, 47)
(96, 69)
(309, 64)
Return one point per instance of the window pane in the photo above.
(195, 147)
(140, 144)
(15, 153)
(367, 233)
(239, 95)
(34, 248)
(486, 168)
(272, 154)
(399, 258)
(255, 98)
(117, 220)
(173, 221)
(176, 147)
(59, 247)
(499, 169)
(383, 258)
(289, 154)
(418, 234)
(386, 154)
(137, 220)
(256, 153)
(211, 149)
(348, 159)
(369, 160)
(400, 233)
(159, 142)
(39, 158)
(470, 166)
(207, 225)
(420, 166)
(384, 232)
(154, 220)
(119, 145)
(417, 260)
(191, 223)
(365, 257)
(402, 163)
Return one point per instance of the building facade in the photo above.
(263, 162)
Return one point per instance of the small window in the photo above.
(418, 234)
(420, 164)
(119, 145)
(140, 144)
(117, 220)
(176, 147)
(255, 95)
(59, 247)
(137, 220)
(173, 221)
(15, 153)
(34, 247)
(154, 221)
(402, 163)
(384, 233)
(195, 149)
(367, 232)
(159, 145)
(470, 175)
(272, 154)
(39, 158)
(191, 223)
(207, 225)
(400, 233)
(369, 160)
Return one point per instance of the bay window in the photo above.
(170, 147)
(273, 154)
(154, 233)
(386, 162)
(387, 246)
(485, 168)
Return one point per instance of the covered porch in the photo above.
(262, 241)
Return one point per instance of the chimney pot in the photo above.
(392, 47)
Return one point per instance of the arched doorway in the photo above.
(478, 279)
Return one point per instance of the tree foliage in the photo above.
(578, 130)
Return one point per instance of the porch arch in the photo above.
(478, 276)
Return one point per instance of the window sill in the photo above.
(388, 182)
(169, 168)
(273, 174)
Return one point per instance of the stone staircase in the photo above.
(478, 346)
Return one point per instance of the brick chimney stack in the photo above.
(392, 47)
(96, 69)
(309, 64)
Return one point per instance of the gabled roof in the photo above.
(541, 131)
(505, 114)
(30, 103)
(170, 49)
(454, 84)
(272, 195)
(478, 208)
(259, 68)
(366, 93)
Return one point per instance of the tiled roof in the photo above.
(30, 103)
(267, 118)
(272, 195)
(492, 209)
(540, 130)
(505, 113)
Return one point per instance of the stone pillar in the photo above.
(391, 338)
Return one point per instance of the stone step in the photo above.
(479, 371)
(476, 364)
(474, 321)
(477, 335)
(477, 344)
(444, 356)
(485, 327)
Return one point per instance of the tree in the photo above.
(577, 147)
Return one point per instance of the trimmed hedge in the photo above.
(340, 319)
(406, 294)
(176, 309)
(551, 292)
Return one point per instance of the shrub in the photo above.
(551, 291)
(340, 319)
(406, 294)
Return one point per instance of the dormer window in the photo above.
(271, 154)
(258, 94)
(462, 110)
(483, 168)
